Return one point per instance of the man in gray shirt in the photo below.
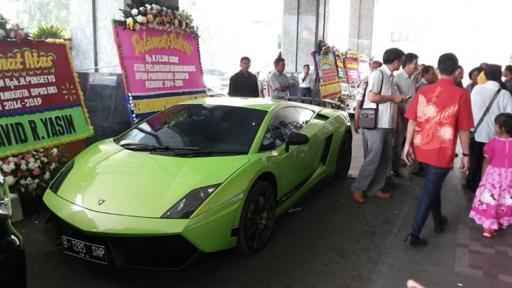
(406, 84)
(280, 84)
(381, 93)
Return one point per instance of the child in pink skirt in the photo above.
(492, 206)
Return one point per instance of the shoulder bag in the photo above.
(368, 116)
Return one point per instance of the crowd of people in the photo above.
(245, 84)
(417, 116)
(421, 112)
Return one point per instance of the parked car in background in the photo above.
(12, 254)
(217, 80)
(212, 93)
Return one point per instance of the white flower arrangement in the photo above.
(141, 19)
(159, 17)
(31, 172)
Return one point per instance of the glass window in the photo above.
(285, 121)
(29, 14)
(256, 25)
(195, 129)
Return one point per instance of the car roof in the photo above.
(266, 104)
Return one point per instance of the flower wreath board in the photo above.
(327, 72)
(160, 60)
(41, 104)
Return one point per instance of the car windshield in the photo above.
(189, 130)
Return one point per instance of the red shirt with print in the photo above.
(440, 110)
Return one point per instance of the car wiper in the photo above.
(149, 147)
(192, 153)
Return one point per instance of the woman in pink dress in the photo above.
(492, 206)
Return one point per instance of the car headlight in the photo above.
(59, 180)
(5, 202)
(189, 204)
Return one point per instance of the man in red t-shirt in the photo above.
(438, 113)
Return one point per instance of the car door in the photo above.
(292, 167)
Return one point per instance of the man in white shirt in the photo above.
(481, 97)
(381, 94)
(361, 91)
(280, 84)
(306, 82)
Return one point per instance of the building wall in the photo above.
(475, 31)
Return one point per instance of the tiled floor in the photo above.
(479, 257)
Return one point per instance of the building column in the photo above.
(304, 23)
(361, 25)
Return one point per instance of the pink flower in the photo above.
(36, 171)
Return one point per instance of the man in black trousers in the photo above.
(244, 83)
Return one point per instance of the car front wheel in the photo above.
(258, 217)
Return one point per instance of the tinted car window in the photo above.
(285, 121)
(201, 128)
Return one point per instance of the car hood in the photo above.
(107, 178)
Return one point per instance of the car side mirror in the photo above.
(295, 139)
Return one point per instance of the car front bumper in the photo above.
(127, 236)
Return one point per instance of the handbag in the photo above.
(485, 112)
(368, 116)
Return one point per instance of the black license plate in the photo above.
(85, 250)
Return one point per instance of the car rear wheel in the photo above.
(258, 217)
(344, 156)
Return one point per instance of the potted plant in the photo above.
(49, 31)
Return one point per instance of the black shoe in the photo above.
(415, 241)
(395, 173)
(441, 226)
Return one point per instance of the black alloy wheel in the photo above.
(257, 219)
(344, 156)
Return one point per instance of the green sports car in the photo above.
(202, 176)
